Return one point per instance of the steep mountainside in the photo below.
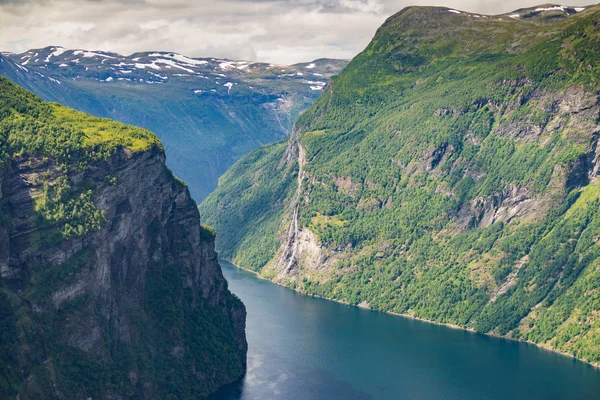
(450, 173)
(207, 112)
(109, 286)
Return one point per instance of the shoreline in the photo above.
(412, 317)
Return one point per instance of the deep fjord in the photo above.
(302, 347)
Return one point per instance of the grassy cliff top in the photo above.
(30, 126)
(65, 141)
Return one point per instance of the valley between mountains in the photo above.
(450, 172)
(207, 112)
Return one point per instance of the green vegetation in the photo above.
(66, 141)
(417, 160)
(254, 210)
(104, 132)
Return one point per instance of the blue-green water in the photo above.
(302, 348)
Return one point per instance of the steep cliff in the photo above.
(450, 173)
(110, 287)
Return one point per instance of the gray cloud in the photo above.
(278, 31)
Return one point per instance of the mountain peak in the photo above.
(430, 17)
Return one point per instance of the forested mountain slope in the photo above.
(207, 112)
(450, 173)
(109, 286)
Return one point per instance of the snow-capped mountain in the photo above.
(209, 74)
(203, 109)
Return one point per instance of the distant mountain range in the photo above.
(207, 112)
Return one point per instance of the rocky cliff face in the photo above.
(138, 308)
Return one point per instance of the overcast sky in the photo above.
(276, 31)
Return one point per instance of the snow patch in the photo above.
(225, 65)
(454, 11)
(180, 58)
(169, 64)
(310, 66)
(173, 64)
(144, 66)
(228, 85)
(514, 16)
(89, 54)
(315, 83)
(555, 8)
(57, 52)
(109, 79)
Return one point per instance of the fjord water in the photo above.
(306, 348)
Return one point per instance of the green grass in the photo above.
(31, 128)
(102, 131)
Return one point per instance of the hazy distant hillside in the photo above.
(207, 112)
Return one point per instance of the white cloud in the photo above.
(276, 31)
(362, 6)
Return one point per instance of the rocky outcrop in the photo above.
(504, 206)
(136, 309)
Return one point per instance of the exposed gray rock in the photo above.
(504, 206)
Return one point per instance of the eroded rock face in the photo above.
(512, 202)
(140, 306)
